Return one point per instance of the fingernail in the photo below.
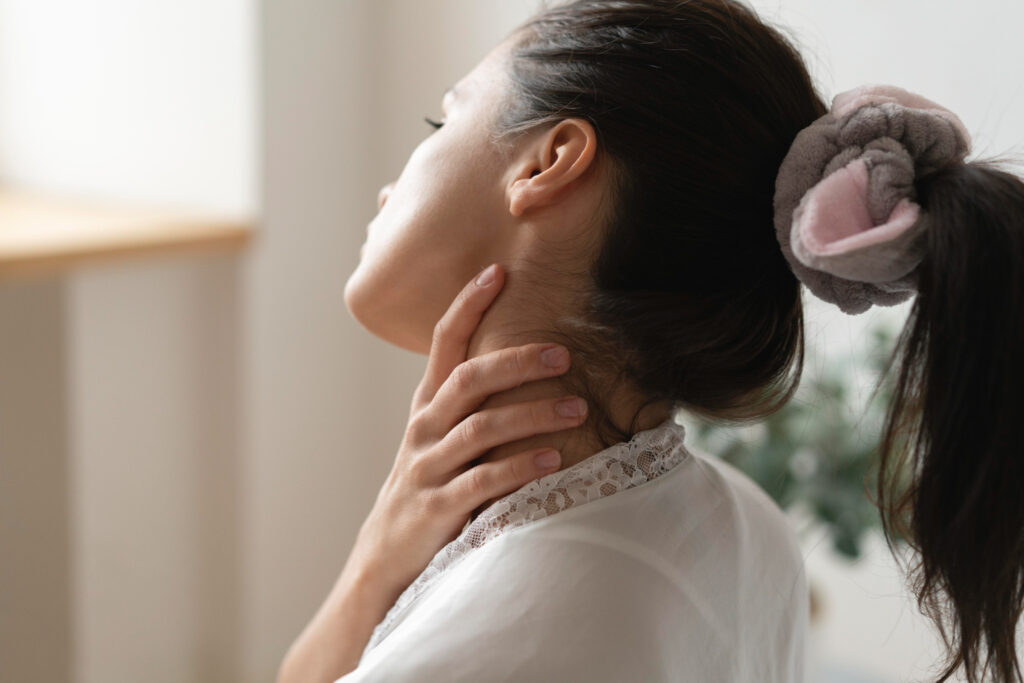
(547, 459)
(486, 277)
(571, 407)
(555, 357)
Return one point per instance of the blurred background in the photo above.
(191, 437)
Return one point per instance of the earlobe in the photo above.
(551, 164)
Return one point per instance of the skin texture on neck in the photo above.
(575, 444)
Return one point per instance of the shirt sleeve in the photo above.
(531, 607)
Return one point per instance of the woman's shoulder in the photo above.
(748, 504)
(702, 522)
(704, 525)
(700, 496)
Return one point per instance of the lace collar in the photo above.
(649, 454)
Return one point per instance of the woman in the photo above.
(622, 164)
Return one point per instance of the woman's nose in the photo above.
(383, 195)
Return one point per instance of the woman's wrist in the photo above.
(332, 643)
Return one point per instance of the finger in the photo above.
(452, 333)
(469, 385)
(495, 479)
(493, 427)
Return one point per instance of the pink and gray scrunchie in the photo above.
(845, 210)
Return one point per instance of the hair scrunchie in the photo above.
(845, 205)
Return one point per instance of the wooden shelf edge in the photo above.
(41, 235)
(60, 263)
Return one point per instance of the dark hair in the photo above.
(695, 104)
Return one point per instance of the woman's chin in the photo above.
(376, 319)
(352, 294)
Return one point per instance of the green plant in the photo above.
(820, 452)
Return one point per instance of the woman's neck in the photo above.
(575, 444)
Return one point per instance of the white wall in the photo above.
(153, 101)
(126, 477)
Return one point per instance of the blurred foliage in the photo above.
(820, 452)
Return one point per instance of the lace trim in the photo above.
(648, 455)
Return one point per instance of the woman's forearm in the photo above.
(332, 643)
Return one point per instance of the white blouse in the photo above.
(644, 562)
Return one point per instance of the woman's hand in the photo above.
(433, 487)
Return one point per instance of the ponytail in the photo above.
(952, 451)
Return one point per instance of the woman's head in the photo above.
(620, 158)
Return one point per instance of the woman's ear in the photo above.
(549, 165)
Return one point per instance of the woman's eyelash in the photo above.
(435, 124)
